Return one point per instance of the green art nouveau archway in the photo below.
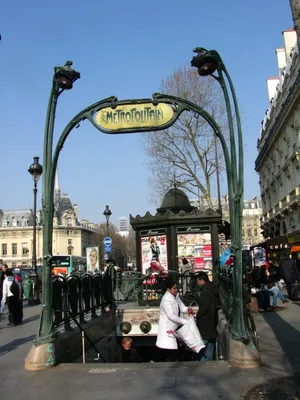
(112, 116)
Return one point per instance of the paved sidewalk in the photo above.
(279, 334)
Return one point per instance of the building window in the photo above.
(69, 252)
(69, 221)
(249, 232)
(14, 249)
(4, 234)
(252, 205)
(255, 232)
(14, 234)
(25, 250)
(4, 249)
(14, 265)
(70, 242)
(5, 224)
(248, 223)
(24, 234)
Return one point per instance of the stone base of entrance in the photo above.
(237, 353)
(40, 357)
(67, 346)
(243, 356)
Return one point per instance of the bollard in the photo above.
(83, 347)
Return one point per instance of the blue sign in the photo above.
(107, 249)
(107, 241)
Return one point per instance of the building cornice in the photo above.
(278, 108)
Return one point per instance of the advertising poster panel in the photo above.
(154, 253)
(92, 259)
(196, 248)
(260, 256)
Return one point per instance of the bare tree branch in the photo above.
(186, 151)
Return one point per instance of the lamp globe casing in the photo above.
(208, 67)
(125, 327)
(107, 213)
(35, 169)
(64, 83)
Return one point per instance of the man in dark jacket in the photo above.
(207, 316)
(291, 275)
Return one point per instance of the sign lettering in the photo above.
(134, 116)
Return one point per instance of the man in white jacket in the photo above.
(170, 308)
(12, 299)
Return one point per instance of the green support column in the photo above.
(42, 353)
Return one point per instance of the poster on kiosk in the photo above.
(154, 254)
(196, 248)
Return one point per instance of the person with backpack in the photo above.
(12, 296)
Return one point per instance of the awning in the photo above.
(295, 248)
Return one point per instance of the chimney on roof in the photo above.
(290, 41)
(281, 60)
(272, 83)
(75, 208)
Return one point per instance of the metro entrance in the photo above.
(112, 116)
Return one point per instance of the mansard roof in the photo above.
(16, 218)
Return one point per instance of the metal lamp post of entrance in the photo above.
(107, 213)
(208, 62)
(35, 171)
(42, 354)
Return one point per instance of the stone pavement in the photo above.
(279, 334)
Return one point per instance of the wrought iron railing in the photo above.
(76, 296)
(149, 289)
(225, 283)
(84, 296)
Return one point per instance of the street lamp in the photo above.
(35, 171)
(107, 213)
(208, 62)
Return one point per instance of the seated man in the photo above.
(275, 291)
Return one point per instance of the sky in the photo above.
(125, 49)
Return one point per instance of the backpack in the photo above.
(14, 288)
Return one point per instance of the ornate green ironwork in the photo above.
(207, 62)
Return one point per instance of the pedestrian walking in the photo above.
(12, 291)
(4, 268)
(291, 276)
(109, 282)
